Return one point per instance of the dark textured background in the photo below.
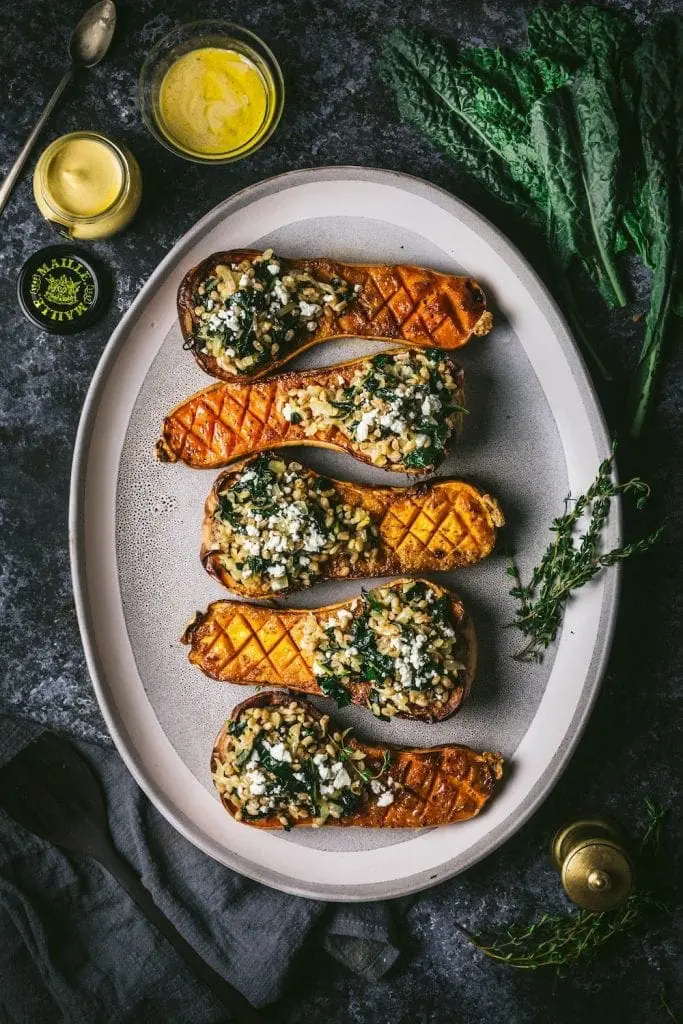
(336, 113)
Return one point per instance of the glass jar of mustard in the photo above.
(88, 185)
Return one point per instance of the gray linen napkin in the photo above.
(74, 947)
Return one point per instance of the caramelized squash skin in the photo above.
(228, 421)
(416, 307)
(434, 526)
(438, 785)
(258, 645)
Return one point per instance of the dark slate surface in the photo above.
(336, 113)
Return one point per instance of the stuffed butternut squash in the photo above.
(272, 526)
(244, 313)
(397, 411)
(278, 763)
(407, 649)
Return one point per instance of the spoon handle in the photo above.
(10, 181)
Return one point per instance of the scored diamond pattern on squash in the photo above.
(451, 530)
(411, 530)
(271, 633)
(408, 306)
(283, 654)
(400, 304)
(218, 420)
(266, 650)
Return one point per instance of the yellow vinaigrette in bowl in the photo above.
(211, 92)
(212, 101)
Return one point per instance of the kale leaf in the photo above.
(576, 133)
(227, 511)
(331, 687)
(376, 666)
(460, 118)
(572, 35)
(659, 62)
(280, 769)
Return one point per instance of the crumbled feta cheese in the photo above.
(309, 309)
(385, 799)
(321, 761)
(314, 540)
(276, 571)
(287, 412)
(342, 779)
(363, 428)
(392, 422)
(257, 782)
(279, 752)
(431, 405)
(280, 292)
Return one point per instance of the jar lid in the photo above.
(60, 290)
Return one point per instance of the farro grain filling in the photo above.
(278, 524)
(401, 639)
(284, 762)
(251, 313)
(399, 409)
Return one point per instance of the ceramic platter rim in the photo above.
(559, 720)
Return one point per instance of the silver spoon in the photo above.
(88, 44)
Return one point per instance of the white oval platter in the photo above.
(534, 434)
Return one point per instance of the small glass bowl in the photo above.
(224, 35)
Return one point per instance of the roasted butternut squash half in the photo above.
(397, 411)
(244, 313)
(278, 763)
(272, 526)
(407, 648)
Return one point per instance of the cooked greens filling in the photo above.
(278, 524)
(251, 313)
(399, 409)
(283, 761)
(401, 639)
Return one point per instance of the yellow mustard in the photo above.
(87, 184)
(214, 102)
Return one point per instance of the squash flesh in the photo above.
(432, 527)
(257, 645)
(227, 421)
(418, 307)
(438, 785)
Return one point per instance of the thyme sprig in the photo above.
(572, 559)
(560, 941)
(346, 754)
